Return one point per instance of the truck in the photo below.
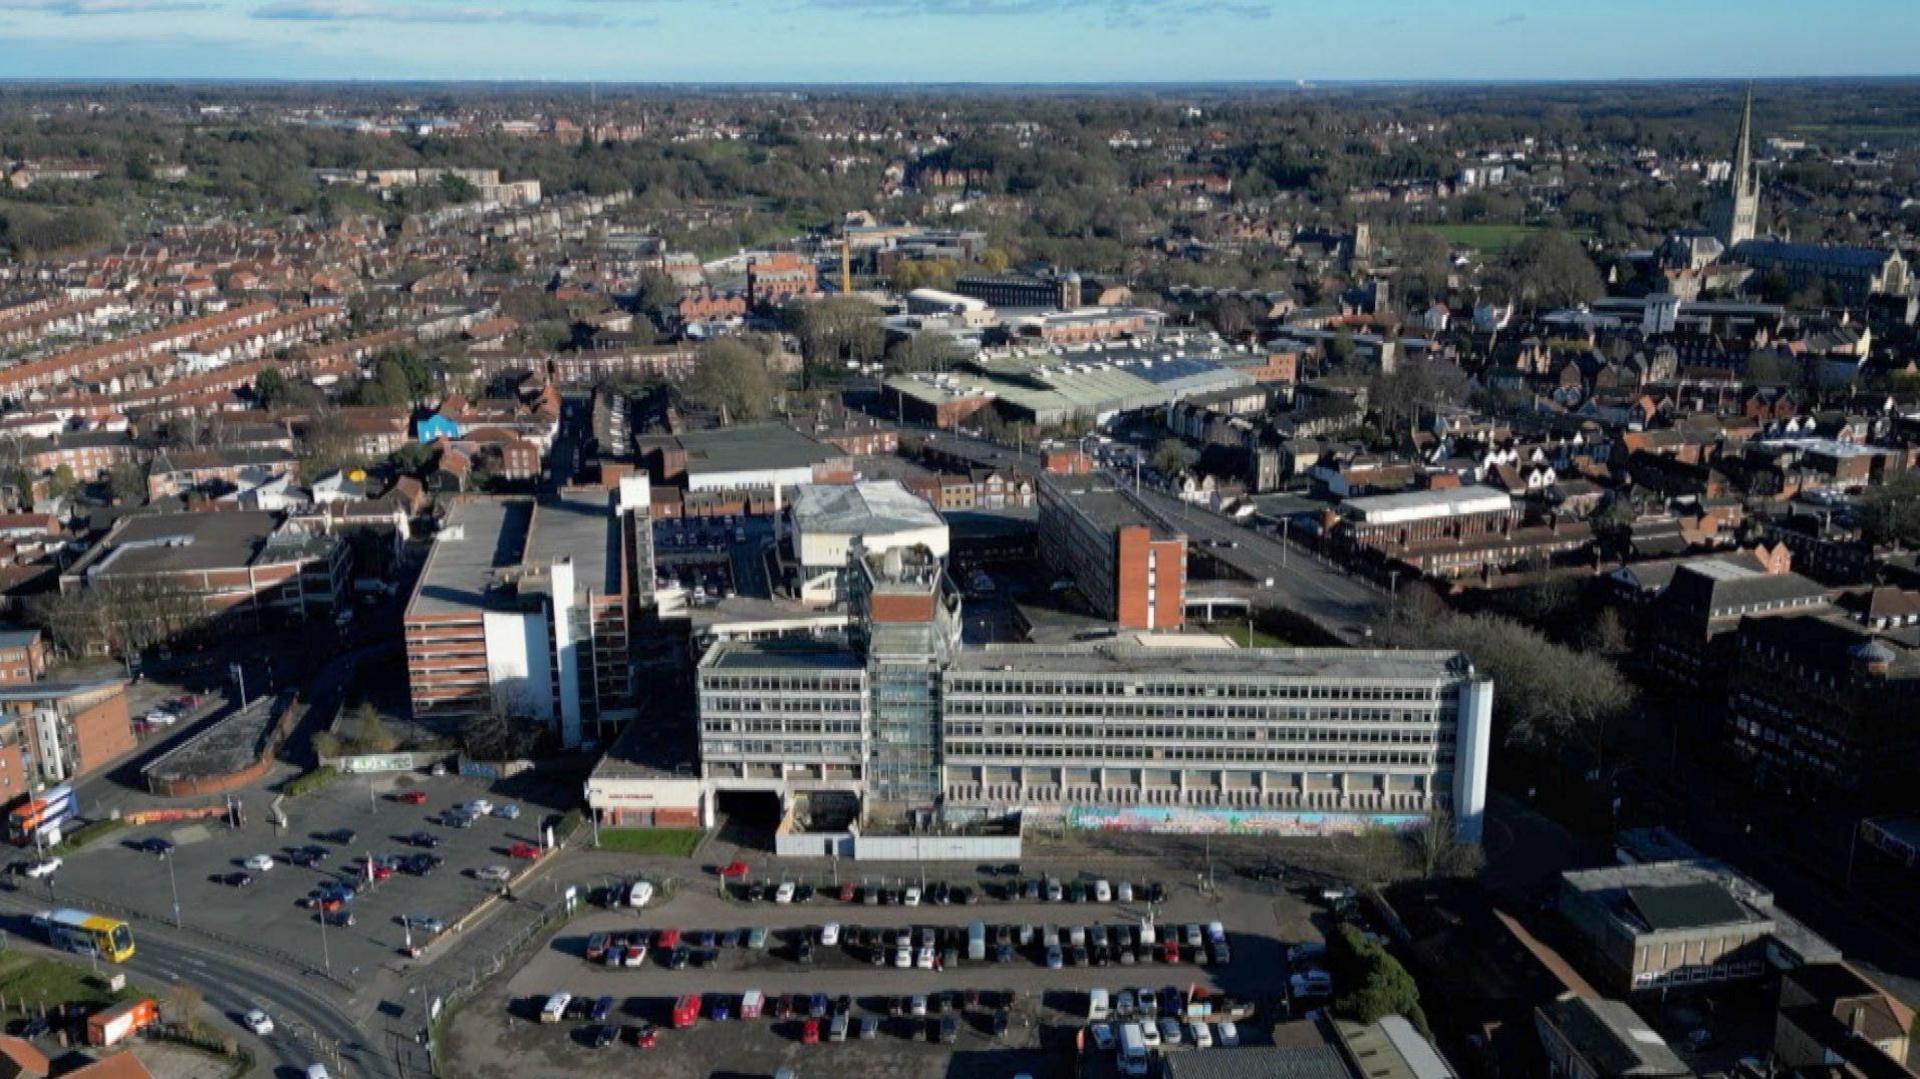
(976, 941)
(119, 1023)
(1133, 1051)
(686, 1011)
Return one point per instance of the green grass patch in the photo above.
(31, 982)
(1491, 239)
(89, 833)
(310, 782)
(674, 842)
(1247, 636)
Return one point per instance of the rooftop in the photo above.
(1106, 505)
(579, 525)
(781, 655)
(1335, 664)
(1426, 505)
(480, 537)
(179, 543)
(751, 448)
(869, 508)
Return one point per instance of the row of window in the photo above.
(823, 703)
(778, 726)
(774, 750)
(1286, 691)
(1148, 733)
(1160, 710)
(1003, 751)
(763, 683)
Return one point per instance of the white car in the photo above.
(912, 898)
(926, 957)
(903, 958)
(259, 1022)
(259, 863)
(829, 934)
(640, 894)
(1201, 1034)
(493, 873)
(1125, 892)
(45, 867)
(479, 807)
(1102, 892)
(1228, 1035)
(1150, 1035)
(509, 811)
(160, 717)
(784, 893)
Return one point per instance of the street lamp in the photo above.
(326, 954)
(173, 885)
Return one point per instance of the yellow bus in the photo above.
(88, 934)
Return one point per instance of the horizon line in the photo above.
(1156, 84)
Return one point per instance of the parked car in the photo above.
(493, 873)
(413, 797)
(259, 863)
(523, 850)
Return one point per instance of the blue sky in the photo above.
(957, 40)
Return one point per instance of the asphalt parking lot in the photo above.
(498, 1033)
(268, 912)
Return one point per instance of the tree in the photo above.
(127, 482)
(1768, 367)
(1416, 384)
(1552, 268)
(1372, 983)
(1231, 317)
(1173, 457)
(656, 292)
(838, 329)
(1440, 852)
(62, 482)
(993, 260)
(374, 737)
(270, 388)
(1890, 513)
(732, 378)
(930, 351)
(1425, 263)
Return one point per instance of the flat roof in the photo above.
(1109, 658)
(780, 655)
(1686, 906)
(1105, 504)
(872, 507)
(579, 525)
(491, 535)
(179, 543)
(752, 448)
(1427, 504)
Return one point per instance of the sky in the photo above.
(1024, 41)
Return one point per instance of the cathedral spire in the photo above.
(1743, 147)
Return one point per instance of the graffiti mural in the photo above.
(1183, 820)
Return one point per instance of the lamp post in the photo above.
(173, 886)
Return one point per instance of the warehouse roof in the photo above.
(874, 507)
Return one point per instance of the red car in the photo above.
(669, 940)
(413, 797)
(523, 850)
(733, 869)
(846, 892)
(1169, 951)
(382, 871)
(646, 1037)
(810, 1032)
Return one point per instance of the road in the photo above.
(1339, 604)
(313, 1025)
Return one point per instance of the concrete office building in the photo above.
(898, 717)
(1128, 565)
(1144, 738)
(828, 520)
(524, 608)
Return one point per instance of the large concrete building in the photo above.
(524, 608)
(1128, 565)
(830, 519)
(897, 717)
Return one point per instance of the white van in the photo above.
(1146, 931)
(555, 1008)
(1133, 1051)
(1098, 1006)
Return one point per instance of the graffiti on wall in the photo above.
(1185, 820)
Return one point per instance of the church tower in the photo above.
(1735, 212)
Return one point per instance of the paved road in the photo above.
(313, 1023)
(1336, 602)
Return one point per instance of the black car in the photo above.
(678, 959)
(34, 1027)
(803, 951)
(1030, 891)
(424, 839)
(339, 919)
(156, 845)
(237, 879)
(300, 857)
(1000, 1020)
(950, 1029)
(757, 892)
(842, 1004)
(342, 836)
(1156, 892)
